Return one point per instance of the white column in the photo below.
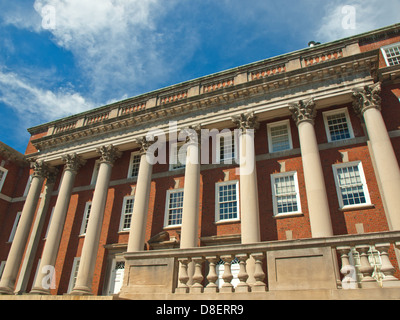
(50, 251)
(367, 103)
(83, 285)
(36, 234)
(191, 193)
(137, 233)
(249, 207)
(16, 253)
(304, 114)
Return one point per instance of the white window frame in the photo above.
(167, 209)
(383, 49)
(3, 178)
(326, 114)
(131, 164)
(74, 274)
(85, 220)
(124, 213)
(278, 124)
(275, 196)
(179, 165)
(14, 228)
(28, 186)
(2, 265)
(235, 144)
(48, 226)
(363, 181)
(95, 173)
(217, 203)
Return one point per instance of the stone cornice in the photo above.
(226, 93)
(12, 155)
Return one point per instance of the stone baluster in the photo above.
(212, 276)
(197, 286)
(183, 276)
(387, 268)
(227, 276)
(243, 275)
(259, 275)
(349, 280)
(366, 269)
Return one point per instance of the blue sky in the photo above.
(83, 54)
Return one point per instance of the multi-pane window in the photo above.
(227, 201)
(338, 125)
(392, 54)
(226, 148)
(134, 165)
(285, 193)
(15, 226)
(174, 207)
(95, 172)
(279, 136)
(126, 215)
(176, 156)
(351, 185)
(74, 274)
(86, 218)
(3, 174)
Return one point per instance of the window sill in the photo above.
(288, 215)
(176, 226)
(357, 207)
(227, 221)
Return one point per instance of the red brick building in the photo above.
(326, 148)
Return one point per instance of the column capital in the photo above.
(40, 169)
(108, 154)
(193, 133)
(52, 176)
(366, 98)
(246, 121)
(73, 162)
(144, 144)
(303, 111)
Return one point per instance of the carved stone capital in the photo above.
(108, 154)
(52, 176)
(193, 133)
(366, 98)
(303, 111)
(73, 162)
(40, 169)
(144, 144)
(246, 121)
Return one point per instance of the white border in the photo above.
(276, 124)
(217, 185)
(121, 222)
(333, 112)
(296, 184)
(364, 182)
(166, 211)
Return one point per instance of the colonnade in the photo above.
(366, 103)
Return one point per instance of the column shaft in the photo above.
(15, 255)
(191, 196)
(83, 285)
(53, 240)
(249, 207)
(317, 199)
(137, 233)
(368, 104)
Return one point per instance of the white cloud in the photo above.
(337, 21)
(34, 105)
(116, 43)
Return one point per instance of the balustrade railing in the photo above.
(306, 264)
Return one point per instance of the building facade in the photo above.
(280, 176)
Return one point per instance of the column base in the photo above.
(5, 291)
(40, 292)
(81, 291)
